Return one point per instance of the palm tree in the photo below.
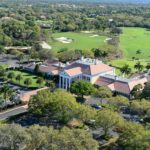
(125, 70)
(19, 77)
(28, 81)
(138, 51)
(138, 66)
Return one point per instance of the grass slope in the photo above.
(134, 39)
(121, 62)
(80, 41)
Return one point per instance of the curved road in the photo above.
(13, 112)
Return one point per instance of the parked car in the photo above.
(90, 122)
(96, 106)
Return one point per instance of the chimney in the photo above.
(95, 61)
(116, 78)
(82, 58)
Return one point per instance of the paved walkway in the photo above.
(22, 109)
(26, 96)
(13, 112)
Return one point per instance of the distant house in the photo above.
(49, 67)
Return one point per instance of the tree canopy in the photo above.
(60, 105)
(82, 88)
(37, 137)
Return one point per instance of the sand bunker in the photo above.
(87, 32)
(95, 35)
(64, 40)
(107, 39)
(45, 45)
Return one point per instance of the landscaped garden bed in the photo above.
(25, 79)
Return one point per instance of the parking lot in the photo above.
(96, 103)
(9, 60)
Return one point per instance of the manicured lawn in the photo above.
(24, 76)
(134, 39)
(81, 40)
(131, 40)
(120, 63)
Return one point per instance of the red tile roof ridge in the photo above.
(73, 71)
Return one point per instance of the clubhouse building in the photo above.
(93, 71)
(84, 69)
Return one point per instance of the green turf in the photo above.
(134, 39)
(80, 41)
(131, 40)
(121, 62)
(24, 76)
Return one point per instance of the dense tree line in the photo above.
(81, 17)
(129, 135)
(38, 137)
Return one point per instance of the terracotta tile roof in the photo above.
(133, 83)
(99, 68)
(111, 86)
(85, 68)
(148, 78)
(55, 72)
(121, 86)
(74, 71)
(89, 69)
(104, 81)
(46, 67)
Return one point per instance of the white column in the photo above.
(66, 83)
(59, 81)
(69, 82)
(63, 83)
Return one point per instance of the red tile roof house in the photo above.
(49, 67)
(121, 85)
(91, 70)
(96, 72)
(84, 69)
